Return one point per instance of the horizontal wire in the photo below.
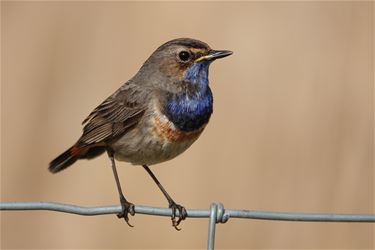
(223, 216)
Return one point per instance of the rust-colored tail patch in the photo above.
(64, 160)
(73, 154)
(77, 151)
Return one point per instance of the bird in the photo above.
(152, 118)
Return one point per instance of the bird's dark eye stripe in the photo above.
(184, 55)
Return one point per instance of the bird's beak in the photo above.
(214, 54)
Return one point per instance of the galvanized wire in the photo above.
(216, 213)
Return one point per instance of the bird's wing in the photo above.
(115, 116)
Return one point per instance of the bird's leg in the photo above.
(173, 205)
(127, 207)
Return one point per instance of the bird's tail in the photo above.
(64, 160)
(74, 153)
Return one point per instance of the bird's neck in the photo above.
(191, 109)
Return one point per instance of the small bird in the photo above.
(153, 117)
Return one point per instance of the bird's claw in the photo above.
(182, 214)
(127, 208)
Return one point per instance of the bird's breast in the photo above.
(156, 139)
(166, 130)
(156, 142)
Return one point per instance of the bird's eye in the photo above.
(184, 56)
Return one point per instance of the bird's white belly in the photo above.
(155, 140)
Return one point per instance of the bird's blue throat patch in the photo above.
(190, 111)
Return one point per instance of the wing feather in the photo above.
(115, 116)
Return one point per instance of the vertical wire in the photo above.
(212, 227)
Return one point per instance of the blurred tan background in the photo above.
(292, 128)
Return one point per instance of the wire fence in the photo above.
(216, 214)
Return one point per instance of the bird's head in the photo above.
(182, 59)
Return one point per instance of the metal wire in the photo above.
(212, 227)
(216, 213)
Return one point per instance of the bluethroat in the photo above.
(153, 117)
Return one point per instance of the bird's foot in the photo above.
(182, 214)
(127, 208)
